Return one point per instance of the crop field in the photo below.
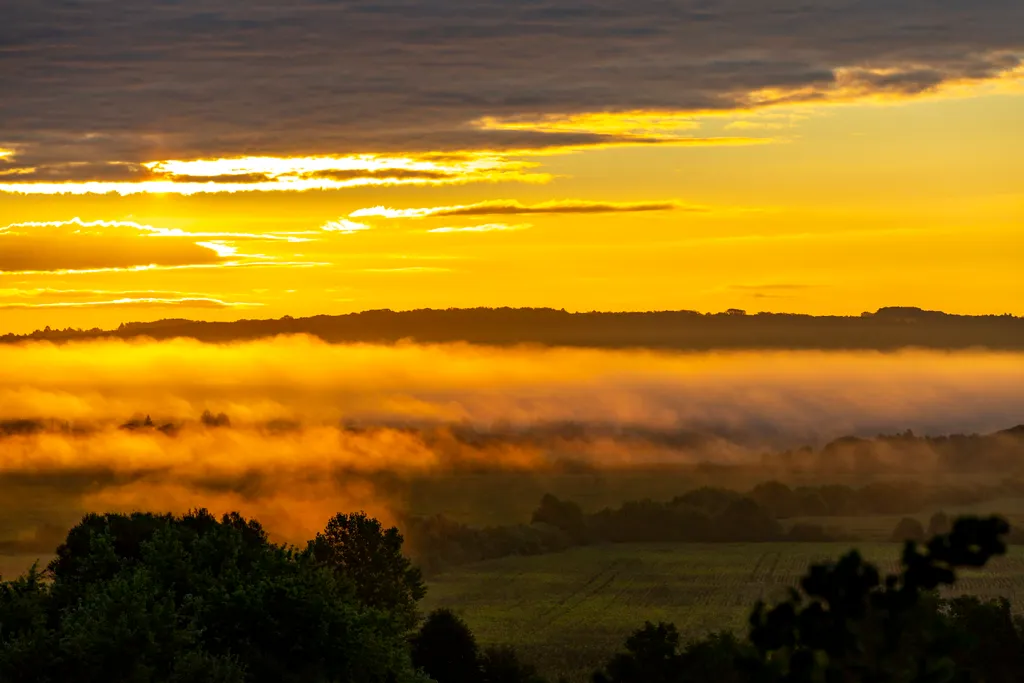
(568, 612)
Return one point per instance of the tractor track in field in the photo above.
(765, 568)
(593, 586)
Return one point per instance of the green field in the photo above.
(568, 612)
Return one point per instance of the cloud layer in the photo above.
(317, 428)
(94, 91)
(797, 397)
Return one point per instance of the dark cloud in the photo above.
(390, 173)
(515, 208)
(131, 82)
(510, 207)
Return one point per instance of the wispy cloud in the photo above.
(407, 269)
(101, 227)
(344, 226)
(486, 227)
(138, 302)
(512, 207)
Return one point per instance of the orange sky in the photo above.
(833, 199)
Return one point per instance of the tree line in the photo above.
(886, 328)
(703, 515)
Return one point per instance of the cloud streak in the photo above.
(486, 227)
(510, 207)
(137, 302)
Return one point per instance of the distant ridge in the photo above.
(885, 329)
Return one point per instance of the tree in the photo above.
(939, 524)
(745, 520)
(908, 529)
(651, 656)
(219, 420)
(445, 649)
(778, 498)
(359, 548)
(565, 515)
(502, 665)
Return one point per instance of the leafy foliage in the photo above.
(147, 598)
(358, 547)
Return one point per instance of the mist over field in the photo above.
(314, 428)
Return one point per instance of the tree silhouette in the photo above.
(908, 529)
(361, 549)
(445, 649)
(939, 524)
(565, 515)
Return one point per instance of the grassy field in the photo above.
(568, 612)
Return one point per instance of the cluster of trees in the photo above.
(997, 454)
(897, 497)
(438, 542)
(147, 598)
(704, 515)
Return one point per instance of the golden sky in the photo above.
(225, 166)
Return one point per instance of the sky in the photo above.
(222, 159)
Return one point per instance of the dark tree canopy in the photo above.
(361, 549)
(147, 598)
(445, 649)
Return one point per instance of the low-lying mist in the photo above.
(313, 428)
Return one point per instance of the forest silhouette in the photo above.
(887, 328)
